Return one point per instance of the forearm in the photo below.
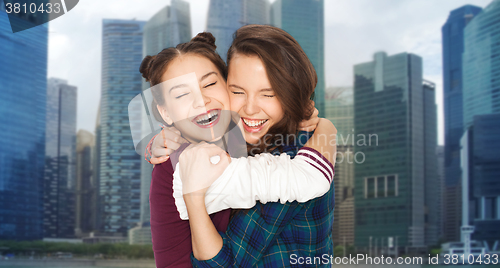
(206, 241)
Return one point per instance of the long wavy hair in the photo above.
(290, 73)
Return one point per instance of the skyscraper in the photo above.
(60, 158)
(339, 109)
(225, 17)
(432, 196)
(23, 80)
(390, 149)
(167, 28)
(481, 109)
(481, 65)
(120, 185)
(304, 20)
(481, 170)
(453, 47)
(86, 202)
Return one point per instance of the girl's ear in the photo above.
(164, 114)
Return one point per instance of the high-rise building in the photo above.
(86, 202)
(339, 109)
(60, 159)
(440, 174)
(304, 20)
(390, 147)
(481, 65)
(453, 47)
(481, 106)
(167, 28)
(23, 82)
(432, 185)
(96, 167)
(120, 165)
(481, 170)
(225, 17)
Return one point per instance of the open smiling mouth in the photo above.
(208, 119)
(253, 125)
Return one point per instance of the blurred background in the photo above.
(413, 88)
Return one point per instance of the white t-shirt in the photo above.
(264, 178)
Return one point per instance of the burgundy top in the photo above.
(172, 236)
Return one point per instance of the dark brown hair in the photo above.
(290, 73)
(153, 67)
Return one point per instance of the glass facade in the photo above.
(484, 171)
(481, 65)
(339, 110)
(86, 206)
(390, 127)
(167, 28)
(453, 47)
(304, 20)
(23, 83)
(432, 184)
(225, 17)
(120, 165)
(60, 160)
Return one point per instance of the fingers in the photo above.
(172, 134)
(158, 160)
(161, 152)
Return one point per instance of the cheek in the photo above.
(275, 110)
(235, 102)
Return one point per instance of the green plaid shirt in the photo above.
(278, 235)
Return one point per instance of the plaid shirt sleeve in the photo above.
(250, 233)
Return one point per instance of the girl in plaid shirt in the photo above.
(270, 78)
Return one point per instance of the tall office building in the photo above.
(391, 130)
(481, 65)
(453, 47)
(23, 82)
(60, 158)
(225, 17)
(120, 165)
(432, 197)
(481, 106)
(339, 109)
(167, 28)
(481, 166)
(86, 202)
(304, 20)
(440, 174)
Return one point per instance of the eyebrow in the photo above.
(207, 75)
(262, 90)
(177, 86)
(238, 87)
(185, 85)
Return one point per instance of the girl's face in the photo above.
(252, 97)
(195, 95)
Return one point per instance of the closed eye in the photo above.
(182, 95)
(211, 84)
(269, 96)
(237, 92)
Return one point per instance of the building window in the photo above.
(381, 186)
(490, 208)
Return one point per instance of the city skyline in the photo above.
(351, 37)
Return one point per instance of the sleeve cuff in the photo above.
(317, 160)
(222, 259)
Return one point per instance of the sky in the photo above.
(354, 31)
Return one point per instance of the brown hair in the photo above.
(291, 75)
(153, 67)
